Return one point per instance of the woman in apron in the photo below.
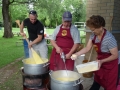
(66, 39)
(107, 54)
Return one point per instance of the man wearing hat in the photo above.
(36, 34)
(66, 38)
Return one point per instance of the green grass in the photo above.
(9, 51)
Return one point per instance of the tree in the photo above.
(77, 7)
(49, 11)
(6, 13)
(6, 19)
(1, 19)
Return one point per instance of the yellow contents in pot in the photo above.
(36, 57)
(66, 79)
(32, 61)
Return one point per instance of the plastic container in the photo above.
(87, 67)
(26, 49)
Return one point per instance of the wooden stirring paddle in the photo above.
(36, 57)
(90, 54)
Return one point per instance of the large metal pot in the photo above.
(35, 69)
(55, 84)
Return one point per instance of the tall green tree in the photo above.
(49, 11)
(6, 13)
(77, 7)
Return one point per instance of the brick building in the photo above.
(110, 10)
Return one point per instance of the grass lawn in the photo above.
(9, 51)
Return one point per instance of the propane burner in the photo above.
(31, 80)
(34, 82)
(35, 88)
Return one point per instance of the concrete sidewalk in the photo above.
(87, 82)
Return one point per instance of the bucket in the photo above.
(87, 74)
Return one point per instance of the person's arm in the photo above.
(58, 49)
(37, 40)
(53, 39)
(86, 49)
(114, 55)
(75, 46)
(112, 46)
(21, 30)
(83, 51)
(76, 39)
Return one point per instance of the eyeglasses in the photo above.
(92, 29)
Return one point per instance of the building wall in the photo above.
(110, 10)
(101, 7)
(116, 16)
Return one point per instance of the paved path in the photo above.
(87, 83)
(10, 76)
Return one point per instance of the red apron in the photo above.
(65, 42)
(106, 76)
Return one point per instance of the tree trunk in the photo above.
(6, 19)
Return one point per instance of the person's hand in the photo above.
(99, 63)
(58, 50)
(30, 45)
(67, 56)
(23, 34)
(74, 56)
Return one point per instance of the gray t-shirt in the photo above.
(108, 42)
(74, 33)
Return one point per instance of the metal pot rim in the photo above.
(34, 64)
(60, 76)
(65, 82)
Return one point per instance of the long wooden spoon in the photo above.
(36, 57)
